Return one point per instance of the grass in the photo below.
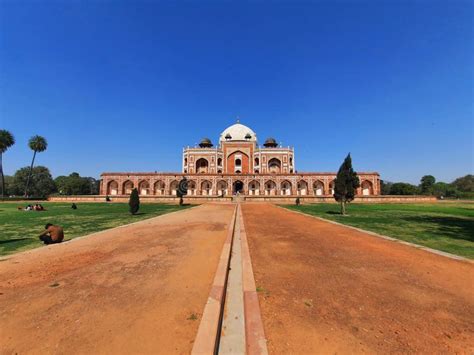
(447, 227)
(20, 229)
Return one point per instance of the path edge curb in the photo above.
(256, 342)
(207, 337)
(392, 239)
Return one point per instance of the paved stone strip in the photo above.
(413, 245)
(254, 333)
(232, 340)
(209, 329)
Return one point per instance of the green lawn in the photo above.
(19, 230)
(444, 226)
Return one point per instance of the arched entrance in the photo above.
(112, 188)
(238, 187)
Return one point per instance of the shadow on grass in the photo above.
(333, 212)
(14, 240)
(452, 227)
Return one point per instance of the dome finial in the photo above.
(238, 119)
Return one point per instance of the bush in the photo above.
(402, 188)
(134, 201)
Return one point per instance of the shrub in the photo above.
(134, 201)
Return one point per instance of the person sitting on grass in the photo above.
(38, 207)
(74, 206)
(53, 234)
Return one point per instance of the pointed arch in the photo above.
(159, 187)
(202, 166)
(192, 190)
(285, 188)
(206, 188)
(254, 188)
(222, 188)
(127, 187)
(173, 187)
(318, 188)
(112, 188)
(332, 184)
(144, 187)
(274, 166)
(270, 188)
(302, 187)
(367, 188)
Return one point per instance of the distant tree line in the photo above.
(462, 187)
(42, 184)
(37, 181)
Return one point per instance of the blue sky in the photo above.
(123, 86)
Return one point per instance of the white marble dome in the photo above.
(238, 132)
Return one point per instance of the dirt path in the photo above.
(327, 289)
(130, 290)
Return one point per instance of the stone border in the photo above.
(249, 198)
(91, 234)
(395, 240)
(254, 332)
(208, 334)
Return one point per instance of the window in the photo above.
(238, 162)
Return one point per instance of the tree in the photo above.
(182, 190)
(9, 185)
(74, 184)
(403, 188)
(465, 183)
(6, 141)
(41, 183)
(442, 189)
(134, 201)
(426, 184)
(346, 184)
(94, 185)
(385, 187)
(37, 144)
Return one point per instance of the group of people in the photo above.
(53, 233)
(37, 207)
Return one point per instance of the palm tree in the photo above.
(6, 141)
(37, 144)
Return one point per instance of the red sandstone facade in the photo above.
(238, 164)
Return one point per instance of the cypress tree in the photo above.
(345, 184)
(134, 201)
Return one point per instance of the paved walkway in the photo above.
(322, 288)
(137, 289)
(326, 288)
